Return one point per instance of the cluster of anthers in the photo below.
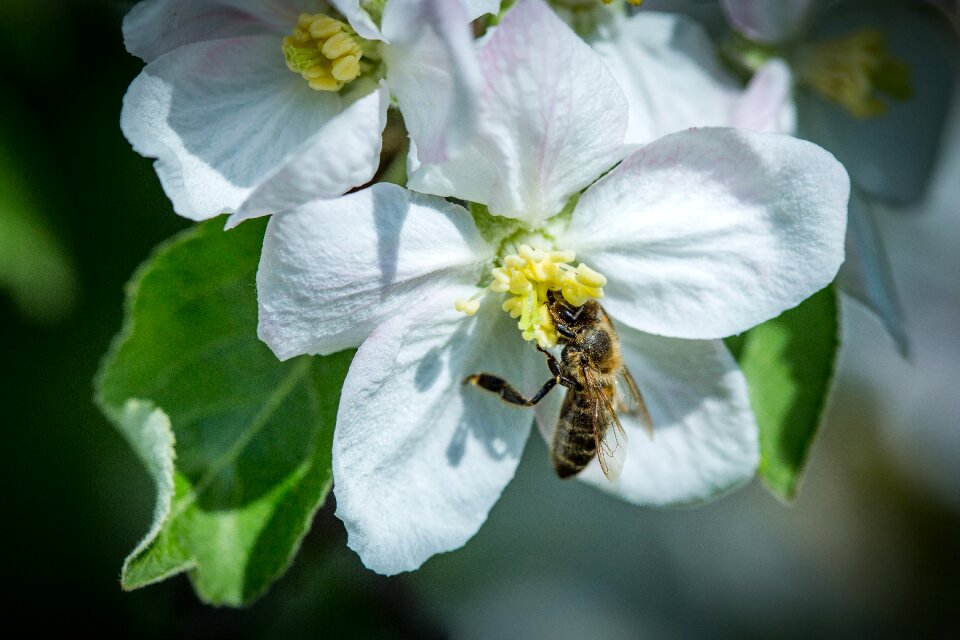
(325, 51)
(527, 276)
(851, 70)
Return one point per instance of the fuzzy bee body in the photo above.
(598, 386)
(574, 440)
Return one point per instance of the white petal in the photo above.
(706, 233)
(867, 275)
(470, 176)
(768, 20)
(668, 69)
(358, 18)
(332, 270)
(552, 119)
(154, 27)
(705, 437)
(343, 154)
(220, 116)
(767, 104)
(433, 72)
(419, 458)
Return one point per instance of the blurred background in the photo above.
(871, 546)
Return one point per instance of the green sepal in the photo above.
(493, 229)
(789, 363)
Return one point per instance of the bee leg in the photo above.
(552, 363)
(506, 392)
(558, 377)
(564, 330)
(569, 314)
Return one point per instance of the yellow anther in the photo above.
(528, 276)
(519, 285)
(346, 68)
(324, 27)
(468, 307)
(590, 278)
(513, 306)
(339, 44)
(325, 51)
(853, 70)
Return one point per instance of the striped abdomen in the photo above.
(574, 442)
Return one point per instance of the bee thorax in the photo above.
(596, 344)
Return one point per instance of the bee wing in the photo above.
(609, 434)
(627, 399)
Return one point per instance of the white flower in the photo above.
(700, 235)
(669, 70)
(873, 85)
(254, 106)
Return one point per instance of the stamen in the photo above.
(325, 51)
(853, 70)
(528, 276)
(468, 306)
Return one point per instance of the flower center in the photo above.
(527, 276)
(853, 70)
(325, 51)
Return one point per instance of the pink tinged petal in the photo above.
(669, 71)
(767, 104)
(154, 27)
(419, 458)
(220, 117)
(768, 21)
(343, 154)
(358, 18)
(552, 118)
(332, 270)
(433, 73)
(706, 233)
(705, 438)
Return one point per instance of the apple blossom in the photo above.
(693, 237)
(673, 78)
(254, 106)
(880, 112)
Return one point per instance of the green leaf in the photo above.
(253, 435)
(148, 431)
(789, 363)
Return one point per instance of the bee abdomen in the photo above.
(573, 448)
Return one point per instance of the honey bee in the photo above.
(598, 387)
